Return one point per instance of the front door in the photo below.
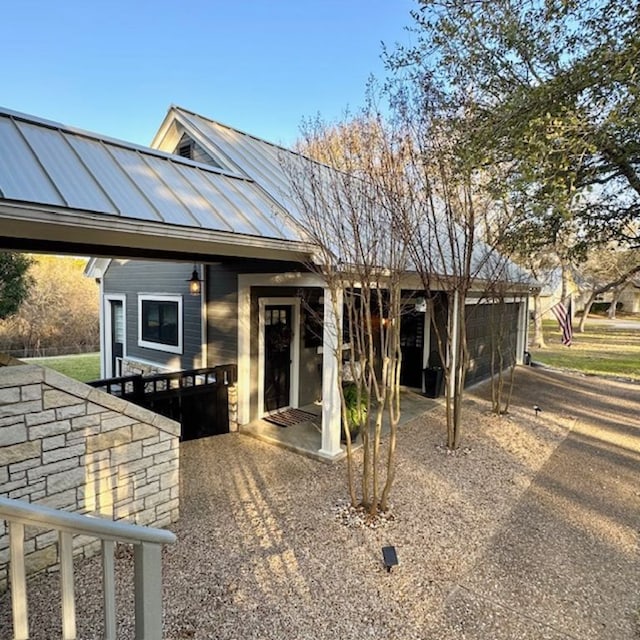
(277, 357)
(412, 347)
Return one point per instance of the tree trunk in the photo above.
(587, 309)
(614, 304)
(538, 334)
(565, 281)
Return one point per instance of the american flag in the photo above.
(563, 316)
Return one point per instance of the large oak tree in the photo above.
(547, 89)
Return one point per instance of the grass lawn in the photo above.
(602, 349)
(81, 366)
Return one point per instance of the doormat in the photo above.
(289, 417)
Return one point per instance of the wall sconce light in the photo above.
(194, 282)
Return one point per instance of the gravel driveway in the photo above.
(529, 532)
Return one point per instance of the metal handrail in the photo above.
(76, 523)
(146, 542)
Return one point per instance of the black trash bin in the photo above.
(433, 381)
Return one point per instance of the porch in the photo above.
(305, 437)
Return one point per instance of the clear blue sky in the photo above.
(115, 66)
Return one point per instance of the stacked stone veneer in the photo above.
(135, 368)
(232, 391)
(69, 446)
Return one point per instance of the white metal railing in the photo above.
(147, 543)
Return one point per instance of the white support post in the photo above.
(426, 341)
(109, 589)
(523, 325)
(453, 343)
(148, 591)
(331, 410)
(18, 582)
(65, 543)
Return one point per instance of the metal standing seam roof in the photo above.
(268, 164)
(46, 163)
(265, 162)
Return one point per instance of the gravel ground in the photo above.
(530, 531)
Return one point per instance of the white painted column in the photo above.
(331, 412)
(426, 340)
(103, 328)
(523, 326)
(453, 342)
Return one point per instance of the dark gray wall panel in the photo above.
(222, 305)
(131, 277)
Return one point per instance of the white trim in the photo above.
(426, 341)
(522, 331)
(106, 370)
(294, 373)
(244, 351)
(102, 328)
(245, 282)
(96, 267)
(52, 222)
(492, 300)
(204, 345)
(160, 297)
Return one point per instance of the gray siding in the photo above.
(131, 277)
(222, 305)
(490, 327)
(222, 314)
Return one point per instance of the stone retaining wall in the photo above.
(69, 446)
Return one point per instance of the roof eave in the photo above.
(46, 224)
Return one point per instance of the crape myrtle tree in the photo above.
(440, 218)
(354, 216)
(503, 343)
(456, 229)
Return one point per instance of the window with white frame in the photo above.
(160, 322)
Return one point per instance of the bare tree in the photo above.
(355, 218)
(608, 269)
(456, 226)
(60, 311)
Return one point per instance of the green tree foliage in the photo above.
(548, 90)
(14, 282)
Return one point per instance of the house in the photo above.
(243, 298)
(206, 198)
(579, 289)
(630, 296)
(550, 293)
